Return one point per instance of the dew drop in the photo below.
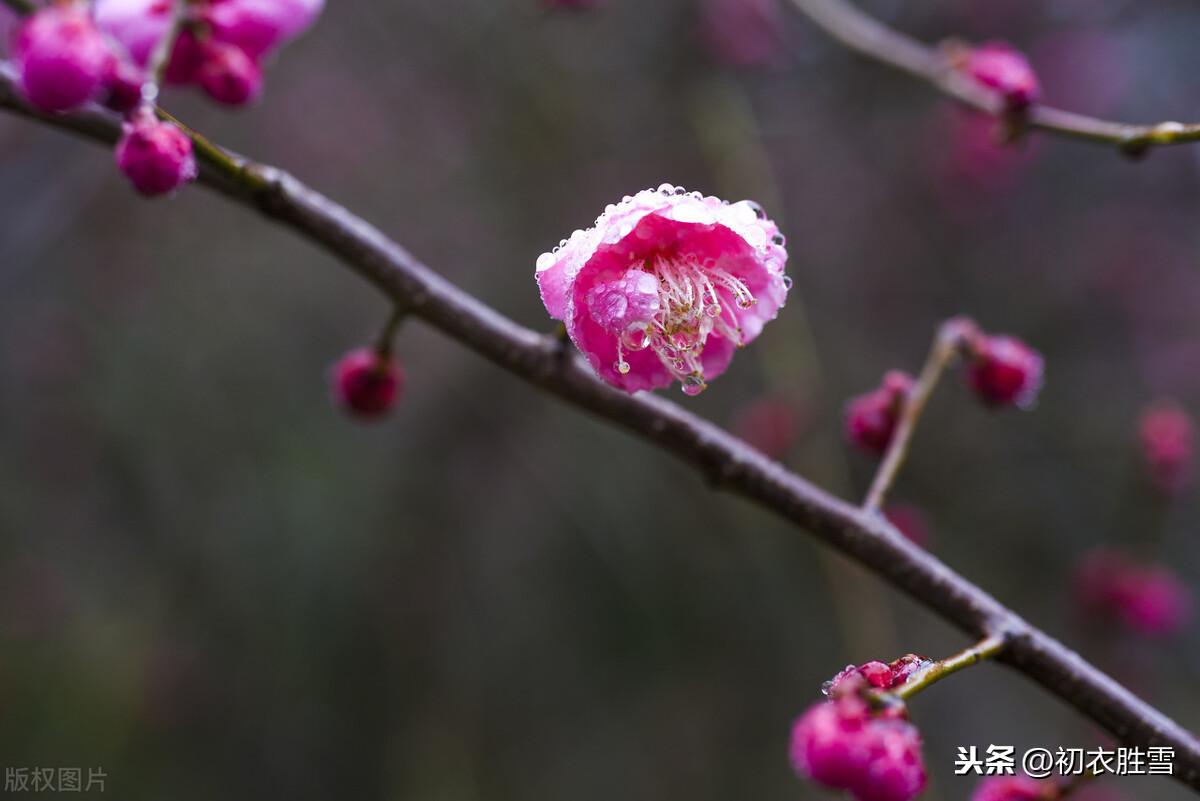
(779, 239)
(787, 283)
(621, 367)
(758, 210)
(713, 310)
(693, 385)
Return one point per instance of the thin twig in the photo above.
(728, 462)
(160, 58)
(866, 35)
(945, 347)
(986, 648)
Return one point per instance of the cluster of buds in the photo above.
(1000, 371)
(71, 53)
(846, 743)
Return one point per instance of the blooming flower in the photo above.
(666, 286)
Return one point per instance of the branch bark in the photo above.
(867, 36)
(727, 462)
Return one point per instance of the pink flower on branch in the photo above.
(62, 58)
(666, 286)
(871, 419)
(1148, 599)
(1001, 67)
(845, 745)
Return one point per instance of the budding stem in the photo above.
(383, 345)
(984, 649)
(950, 337)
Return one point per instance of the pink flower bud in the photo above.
(871, 418)
(838, 744)
(62, 58)
(877, 674)
(1167, 438)
(259, 26)
(123, 86)
(1004, 371)
(366, 384)
(1013, 788)
(228, 75)
(1005, 69)
(156, 156)
(1148, 599)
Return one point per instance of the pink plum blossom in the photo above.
(1001, 67)
(259, 26)
(666, 286)
(139, 25)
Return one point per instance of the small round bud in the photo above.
(155, 156)
(367, 384)
(871, 418)
(1013, 788)
(1167, 438)
(228, 75)
(1003, 68)
(1005, 371)
(62, 58)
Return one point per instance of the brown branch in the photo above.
(726, 461)
(869, 37)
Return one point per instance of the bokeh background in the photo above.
(213, 585)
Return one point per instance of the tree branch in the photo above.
(726, 461)
(869, 37)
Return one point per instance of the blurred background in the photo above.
(213, 584)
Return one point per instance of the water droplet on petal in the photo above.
(693, 385)
(787, 282)
(779, 239)
(621, 367)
